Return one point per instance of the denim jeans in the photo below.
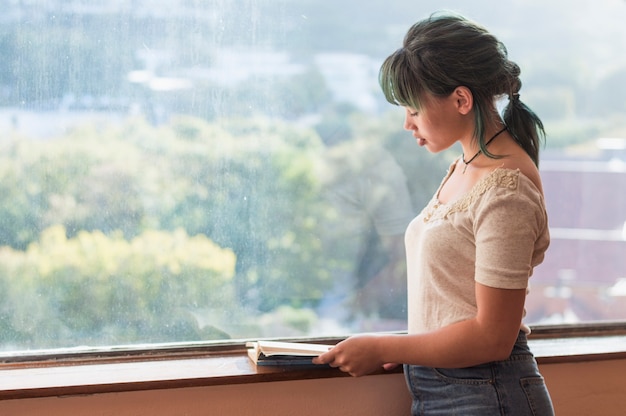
(513, 387)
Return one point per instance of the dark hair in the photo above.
(446, 51)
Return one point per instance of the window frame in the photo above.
(200, 365)
(579, 342)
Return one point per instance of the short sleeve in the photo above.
(511, 235)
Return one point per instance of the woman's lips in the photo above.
(420, 141)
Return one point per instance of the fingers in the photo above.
(331, 358)
(334, 362)
(336, 358)
(326, 358)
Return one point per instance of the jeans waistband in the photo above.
(521, 345)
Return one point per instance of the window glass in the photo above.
(183, 170)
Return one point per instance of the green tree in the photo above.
(95, 289)
(79, 181)
(249, 185)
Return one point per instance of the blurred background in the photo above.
(183, 171)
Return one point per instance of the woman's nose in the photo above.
(408, 122)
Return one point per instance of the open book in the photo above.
(284, 353)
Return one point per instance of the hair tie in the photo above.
(514, 97)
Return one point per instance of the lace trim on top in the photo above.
(499, 178)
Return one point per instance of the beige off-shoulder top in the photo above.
(495, 235)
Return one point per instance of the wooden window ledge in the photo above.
(71, 376)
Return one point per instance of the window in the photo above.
(186, 171)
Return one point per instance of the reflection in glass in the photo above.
(179, 171)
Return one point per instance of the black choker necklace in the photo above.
(480, 151)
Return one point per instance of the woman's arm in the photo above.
(489, 336)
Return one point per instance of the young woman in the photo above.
(472, 249)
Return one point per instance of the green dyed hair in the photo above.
(446, 51)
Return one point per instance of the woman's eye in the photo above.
(413, 114)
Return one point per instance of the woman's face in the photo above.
(438, 124)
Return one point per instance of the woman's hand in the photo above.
(358, 355)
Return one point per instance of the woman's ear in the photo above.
(464, 99)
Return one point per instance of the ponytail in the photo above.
(525, 126)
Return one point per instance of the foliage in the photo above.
(98, 289)
(79, 181)
(249, 185)
(80, 211)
